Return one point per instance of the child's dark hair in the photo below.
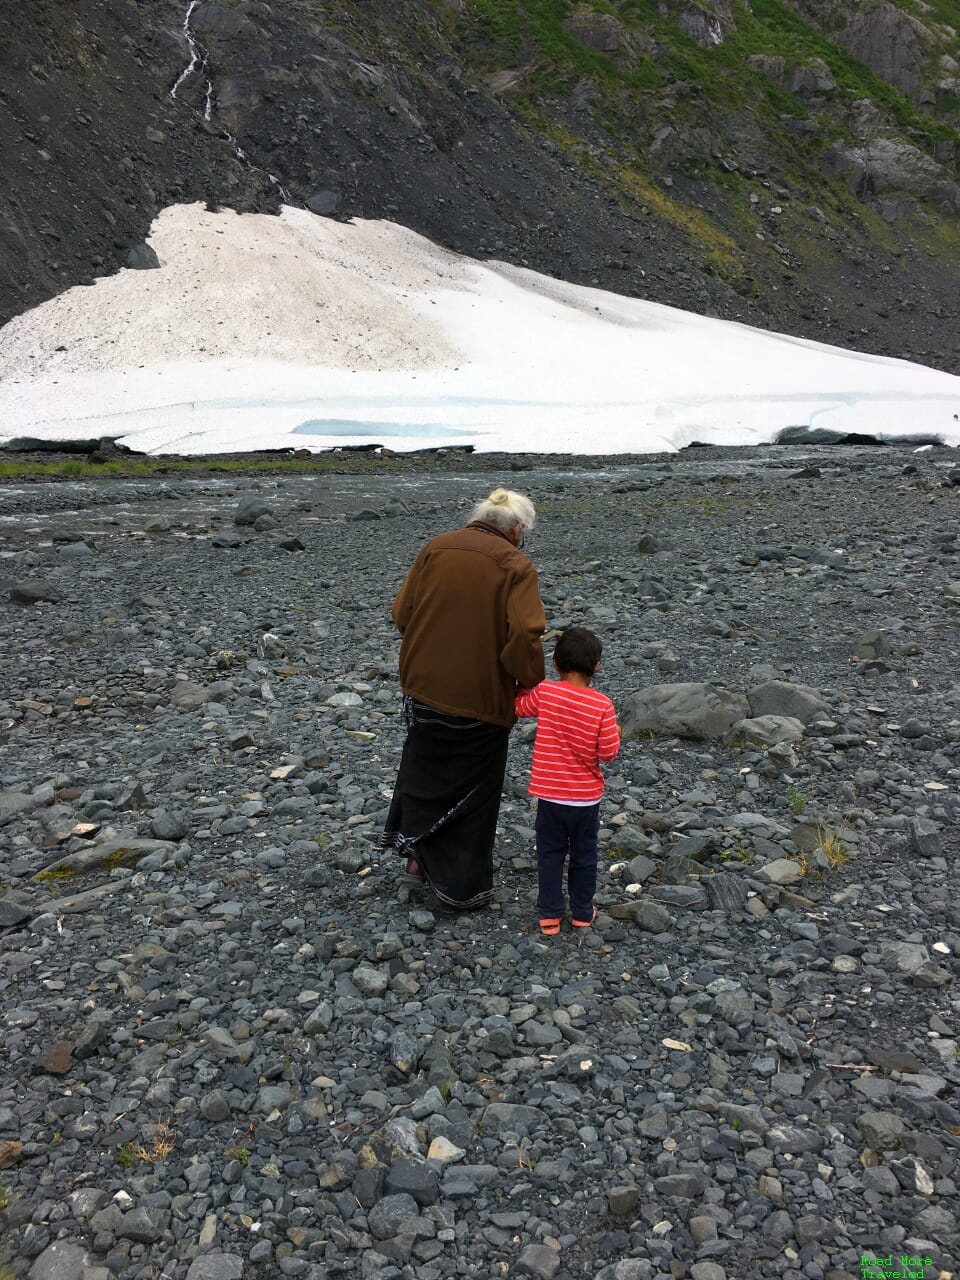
(578, 650)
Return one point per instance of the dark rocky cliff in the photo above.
(793, 166)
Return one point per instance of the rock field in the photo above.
(231, 1047)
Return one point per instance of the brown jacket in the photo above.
(471, 619)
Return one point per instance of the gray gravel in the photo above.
(231, 1047)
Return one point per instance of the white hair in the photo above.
(505, 509)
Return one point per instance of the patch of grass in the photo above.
(739, 853)
(719, 250)
(54, 874)
(240, 1154)
(944, 11)
(126, 1154)
(73, 468)
(943, 238)
(4, 1197)
(831, 846)
(797, 801)
(122, 857)
(533, 31)
(702, 83)
(774, 27)
(161, 1145)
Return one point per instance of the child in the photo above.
(576, 729)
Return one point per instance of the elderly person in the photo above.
(471, 619)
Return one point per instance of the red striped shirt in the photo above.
(576, 729)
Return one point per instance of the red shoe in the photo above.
(585, 924)
(550, 926)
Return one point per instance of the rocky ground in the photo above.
(231, 1047)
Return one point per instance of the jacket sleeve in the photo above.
(522, 655)
(406, 597)
(608, 737)
(527, 703)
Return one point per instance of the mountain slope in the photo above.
(770, 163)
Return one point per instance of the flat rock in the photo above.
(781, 871)
(117, 852)
(216, 1266)
(62, 1260)
(187, 696)
(538, 1260)
(57, 1060)
(13, 803)
(12, 914)
(35, 592)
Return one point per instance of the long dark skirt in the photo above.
(446, 802)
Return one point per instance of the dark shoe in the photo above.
(413, 878)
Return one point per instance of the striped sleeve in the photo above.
(608, 737)
(527, 702)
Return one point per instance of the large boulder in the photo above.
(780, 698)
(893, 174)
(805, 79)
(250, 510)
(889, 41)
(895, 45)
(143, 258)
(600, 31)
(699, 711)
(899, 167)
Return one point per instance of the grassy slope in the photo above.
(667, 77)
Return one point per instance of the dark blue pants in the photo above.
(565, 830)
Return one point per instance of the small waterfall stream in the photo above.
(198, 58)
(200, 61)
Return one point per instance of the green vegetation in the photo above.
(773, 27)
(797, 801)
(240, 1154)
(717, 248)
(53, 874)
(660, 74)
(121, 858)
(161, 1145)
(831, 846)
(521, 29)
(4, 1197)
(73, 468)
(944, 11)
(739, 853)
(531, 33)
